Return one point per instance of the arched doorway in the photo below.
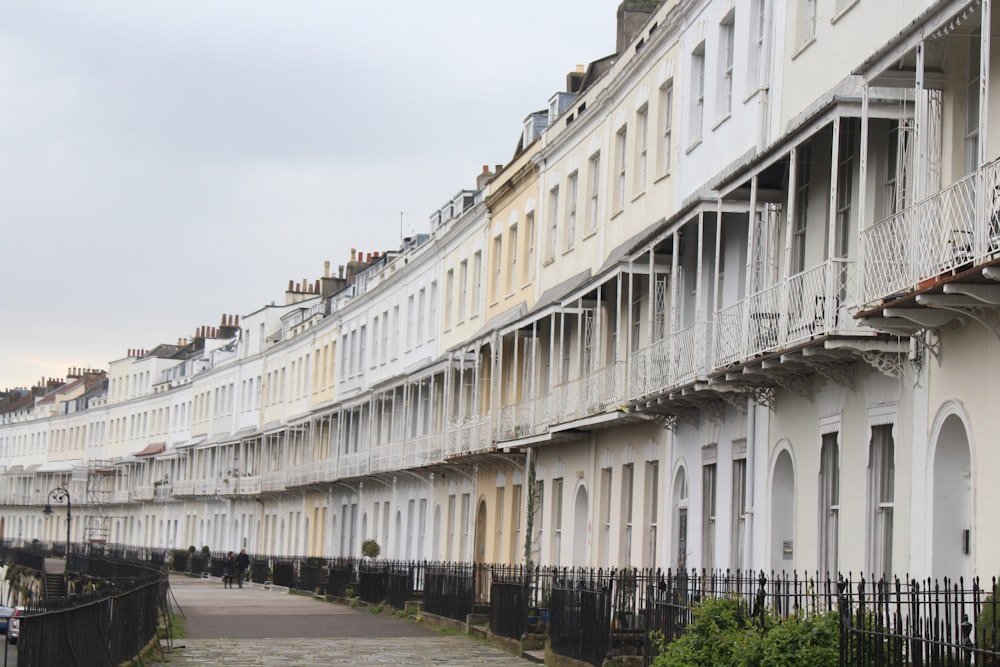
(580, 524)
(480, 552)
(783, 513)
(679, 534)
(952, 514)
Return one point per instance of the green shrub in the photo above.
(988, 630)
(722, 635)
(370, 549)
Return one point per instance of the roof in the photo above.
(152, 448)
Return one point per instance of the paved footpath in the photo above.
(253, 627)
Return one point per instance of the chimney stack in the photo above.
(632, 16)
(326, 268)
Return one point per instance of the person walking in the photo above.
(242, 563)
(228, 567)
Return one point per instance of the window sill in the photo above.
(567, 251)
(694, 145)
(809, 42)
(638, 196)
(722, 120)
(759, 90)
(840, 14)
(550, 260)
(617, 214)
(528, 284)
(589, 235)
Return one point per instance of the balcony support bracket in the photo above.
(799, 384)
(887, 363)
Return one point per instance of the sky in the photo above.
(163, 162)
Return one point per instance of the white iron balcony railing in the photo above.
(248, 486)
(184, 487)
(468, 436)
(591, 394)
(953, 228)
(119, 496)
(353, 465)
(669, 362)
(273, 481)
(144, 492)
(163, 492)
(526, 418)
(813, 303)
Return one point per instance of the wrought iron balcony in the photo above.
(670, 362)
(468, 436)
(813, 303)
(954, 229)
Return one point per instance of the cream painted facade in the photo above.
(732, 304)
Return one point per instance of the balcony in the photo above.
(142, 493)
(274, 481)
(955, 229)
(669, 362)
(119, 496)
(807, 305)
(354, 465)
(248, 486)
(469, 436)
(591, 394)
(184, 487)
(162, 492)
(523, 419)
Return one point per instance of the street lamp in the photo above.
(60, 495)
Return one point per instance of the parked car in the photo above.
(5, 614)
(14, 625)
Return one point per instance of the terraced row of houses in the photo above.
(732, 304)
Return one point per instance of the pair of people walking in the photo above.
(235, 566)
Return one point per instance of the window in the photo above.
(512, 251)
(726, 35)
(620, 146)
(829, 504)
(636, 319)
(757, 61)
(571, 191)
(605, 517)
(385, 336)
(594, 175)
(499, 523)
(641, 147)
(421, 315)
(395, 331)
(451, 528)
(652, 510)
(411, 316)
(553, 221)
(897, 182)
(972, 88)
(362, 347)
(801, 211)
(477, 281)
(557, 512)
(463, 286)
(497, 267)
(845, 179)
(807, 22)
(529, 247)
(739, 509)
(666, 128)
(375, 341)
(708, 479)
(625, 544)
(881, 491)
(449, 295)
(697, 92)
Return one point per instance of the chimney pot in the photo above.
(290, 284)
(316, 288)
(340, 271)
(326, 269)
(486, 168)
(353, 253)
(499, 168)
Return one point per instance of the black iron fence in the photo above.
(919, 623)
(450, 589)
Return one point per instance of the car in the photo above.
(14, 625)
(5, 614)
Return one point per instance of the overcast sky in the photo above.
(163, 162)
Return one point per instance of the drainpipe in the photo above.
(748, 552)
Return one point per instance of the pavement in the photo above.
(257, 627)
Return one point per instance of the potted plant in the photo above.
(370, 548)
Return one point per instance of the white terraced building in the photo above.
(731, 305)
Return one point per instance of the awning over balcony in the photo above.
(152, 449)
(59, 466)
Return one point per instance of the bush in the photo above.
(987, 630)
(370, 549)
(722, 635)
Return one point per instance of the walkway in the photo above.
(253, 627)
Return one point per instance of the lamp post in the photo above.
(60, 495)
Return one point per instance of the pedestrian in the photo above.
(242, 563)
(228, 567)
